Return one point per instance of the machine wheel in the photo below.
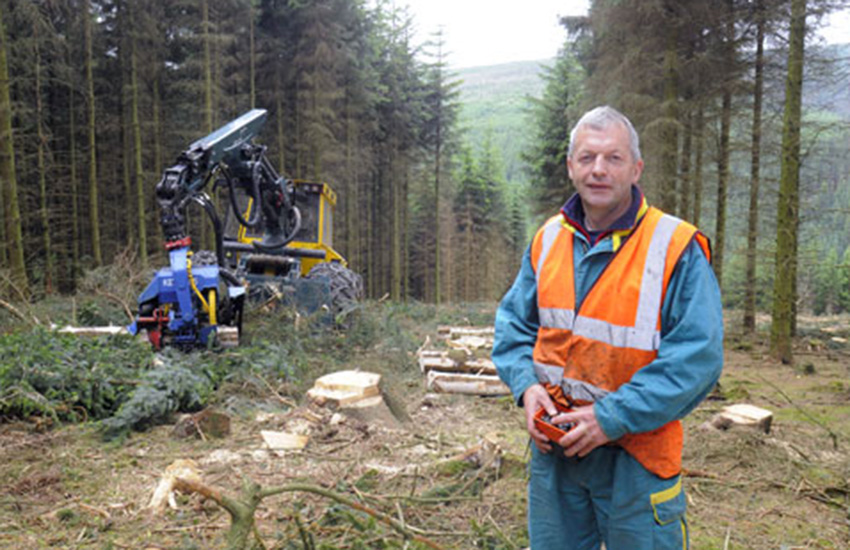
(345, 286)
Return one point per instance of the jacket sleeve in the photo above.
(516, 331)
(690, 356)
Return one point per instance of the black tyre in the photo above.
(345, 287)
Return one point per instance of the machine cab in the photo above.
(312, 245)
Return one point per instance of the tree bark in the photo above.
(137, 150)
(669, 133)
(94, 219)
(699, 133)
(787, 216)
(685, 169)
(723, 153)
(75, 199)
(252, 56)
(752, 225)
(8, 173)
(49, 271)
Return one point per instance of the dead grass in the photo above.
(787, 489)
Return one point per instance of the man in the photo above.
(615, 317)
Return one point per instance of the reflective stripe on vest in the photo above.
(644, 335)
(581, 356)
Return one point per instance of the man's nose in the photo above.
(599, 165)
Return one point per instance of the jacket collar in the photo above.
(573, 213)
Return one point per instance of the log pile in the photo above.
(462, 363)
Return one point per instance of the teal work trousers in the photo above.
(607, 496)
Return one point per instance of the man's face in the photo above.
(603, 170)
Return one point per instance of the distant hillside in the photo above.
(827, 87)
(494, 98)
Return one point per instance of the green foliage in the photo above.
(163, 391)
(43, 372)
(553, 116)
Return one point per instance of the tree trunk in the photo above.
(137, 150)
(699, 133)
(723, 153)
(207, 69)
(252, 56)
(437, 252)
(722, 183)
(8, 173)
(752, 228)
(42, 172)
(787, 216)
(669, 133)
(75, 199)
(94, 220)
(685, 169)
(209, 121)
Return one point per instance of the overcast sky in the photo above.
(489, 32)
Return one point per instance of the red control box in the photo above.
(553, 431)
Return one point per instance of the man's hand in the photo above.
(534, 398)
(586, 434)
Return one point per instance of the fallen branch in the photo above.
(242, 524)
(17, 313)
(119, 301)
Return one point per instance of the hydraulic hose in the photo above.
(255, 218)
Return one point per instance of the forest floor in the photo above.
(449, 468)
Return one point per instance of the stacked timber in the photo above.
(463, 364)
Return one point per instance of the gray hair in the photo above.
(602, 118)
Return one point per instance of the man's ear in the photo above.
(569, 167)
(638, 170)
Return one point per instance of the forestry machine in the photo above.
(275, 243)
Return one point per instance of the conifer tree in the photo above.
(94, 207)
(788, 206)
(8, 173)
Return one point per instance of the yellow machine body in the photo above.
(316, 202)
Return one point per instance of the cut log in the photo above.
(471, 342)
(457, 332)
(280, 442)
(743, 415)
(470, 384)
(447, 364)
(345, 388)
(441, 363)
(94, 331)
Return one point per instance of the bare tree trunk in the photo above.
(49, 271)
(8, 173)
(752, 229)
(438, 298)
(94, 219)
(252, 56)
(788, 207)
(72, 168)
(669, 132)
(137, 149)
(685, 169)
(723, 153)
(699, 134)
(209, 117)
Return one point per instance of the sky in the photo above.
(490, 32)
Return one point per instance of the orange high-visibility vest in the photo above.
(582, 355)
